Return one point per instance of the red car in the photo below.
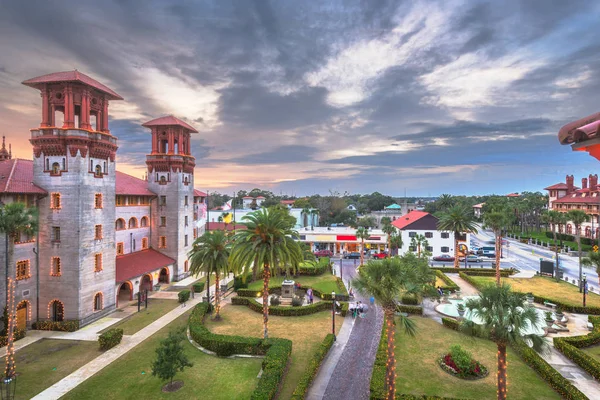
(323, 253)
(443, 257)
(383, 254)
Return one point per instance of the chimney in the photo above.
(584, 183)
(593, 182)
(569, 184)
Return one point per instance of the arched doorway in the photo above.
(146, 283)
(164, 276)
(57, 311)
(125, 293)
(22, 314)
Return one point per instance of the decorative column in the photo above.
(154, 140)
(45, 102)
(69, 108)
(171, 141)
(180, 143)
(105, 115)
(84, 118)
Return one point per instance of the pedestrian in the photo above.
(372, 300)
(351, 292)
(440, 291)
(309, 292)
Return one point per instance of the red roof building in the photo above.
(418, 220)
(220, 226)
(71, 76)
(130, 185)
(16, 176)
(139, 263)
(199, 193)
(169, 120)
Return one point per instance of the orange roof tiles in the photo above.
(135, 264)
(169, 120)
(71, 76)
(557, 186)
(16, 176)
(409, 218)
(130, 185)
(199, 193)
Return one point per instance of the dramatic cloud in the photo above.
(429, 96)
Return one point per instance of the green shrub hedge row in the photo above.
(568, 238)
(570, 346)
(63, 326)
(409, 299)
(448, 283)
(286, 311)
(276, 351)
(199, 287)
(311, 369)
(316, 292)
(19, 334)
(475, 272)
(183, 296)
(558, 382)
(418, 310)
(110, 338)
(492, 271)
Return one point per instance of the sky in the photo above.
(306, 97)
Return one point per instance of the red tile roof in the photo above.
(557, 186)
(578, 199)
(287, 201)
(199, 193)
(480, 205)
(408, 219)
(130, 185)
(219, 226)
(71, 76)
(169, 120)
(16, 176)
(513, 195)
(135, 264)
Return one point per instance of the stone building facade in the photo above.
(103, 235)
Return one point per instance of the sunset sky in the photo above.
(303, 97)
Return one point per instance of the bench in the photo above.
(548, 304)
(590, 326)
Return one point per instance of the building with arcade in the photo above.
(103, 235)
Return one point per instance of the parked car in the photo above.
(382, 254)
(443, 257)
(471, 258)
(354, 255)
(323, 253)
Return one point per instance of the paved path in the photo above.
(466, 289)
(351, 376)
(71, 381)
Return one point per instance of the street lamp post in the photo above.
(341, 270)
(333, 315)
(584, 288)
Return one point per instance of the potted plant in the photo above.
(549, 318)
(461, 309)
(530, 298)
(559, 313)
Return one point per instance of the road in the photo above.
(525, 257)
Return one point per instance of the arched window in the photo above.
(56, 310)
(120, 224)
(55, 168)
(144, 222)
(47, 165)
(133, 223)
(98, 170)
(98, 301)
(163, 180)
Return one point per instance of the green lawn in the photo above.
(420, 374)
(306, 333)
(130, 377)
(325, 283)
(542, 236)
(45, 362)
(156, 309)
(593, 351)
(546, 287)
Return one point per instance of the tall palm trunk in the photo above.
(10, 363)
(498, 244)
(389, 246)
(456, 250)
(266, 276)
(390, 370)
(362, 252)
(501, 371)
(217, 296)
(556, 254)
(419, 249)
(579, 256)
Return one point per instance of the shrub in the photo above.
(461, 357)
(409, 309)
(19, 334)
(240, 283)
(63, 326)
(110, 338)
(492, 271)
(450, 323)
(285, 311)
(409, 299)
(183, 296)
(276, 351)
(275, 301)
(199, 287)
(250, 293)
(311, 369)
(297, 301)
(449, 284)
(570, 346)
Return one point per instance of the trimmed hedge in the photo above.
(18, 334)
(316, 292)
(409, 300)
(285, 311)
(199, 287)
(418, 310)
(448, 283)
(277, 352)
(63, 326)
(313, 366)
(447, 270)
(450, 323)
(503, 273)
(110, 338)
(183, 296)
(570, 346)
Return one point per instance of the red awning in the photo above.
(135, 264)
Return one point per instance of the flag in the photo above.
(227, 205)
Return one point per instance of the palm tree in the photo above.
(396, 241)
(496, 220)
(555, 219)
(389, 230)
(305, 214)
(385, 221)
(457, 219)
(593, 261)
(362, 234)
(268, 244)
(313, 213)
(578, 217)
(210, 253)
(387, 280)
(419, 241)
(444, 202)
(307, 254)
(16, 219)
(503, 316)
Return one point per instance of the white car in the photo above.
(471, 258)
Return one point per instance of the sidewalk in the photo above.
(71, 381)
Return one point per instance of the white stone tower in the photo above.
(171, 177)
(75, 164)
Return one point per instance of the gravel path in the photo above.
(352, 375)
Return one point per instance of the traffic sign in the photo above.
(595, 248)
